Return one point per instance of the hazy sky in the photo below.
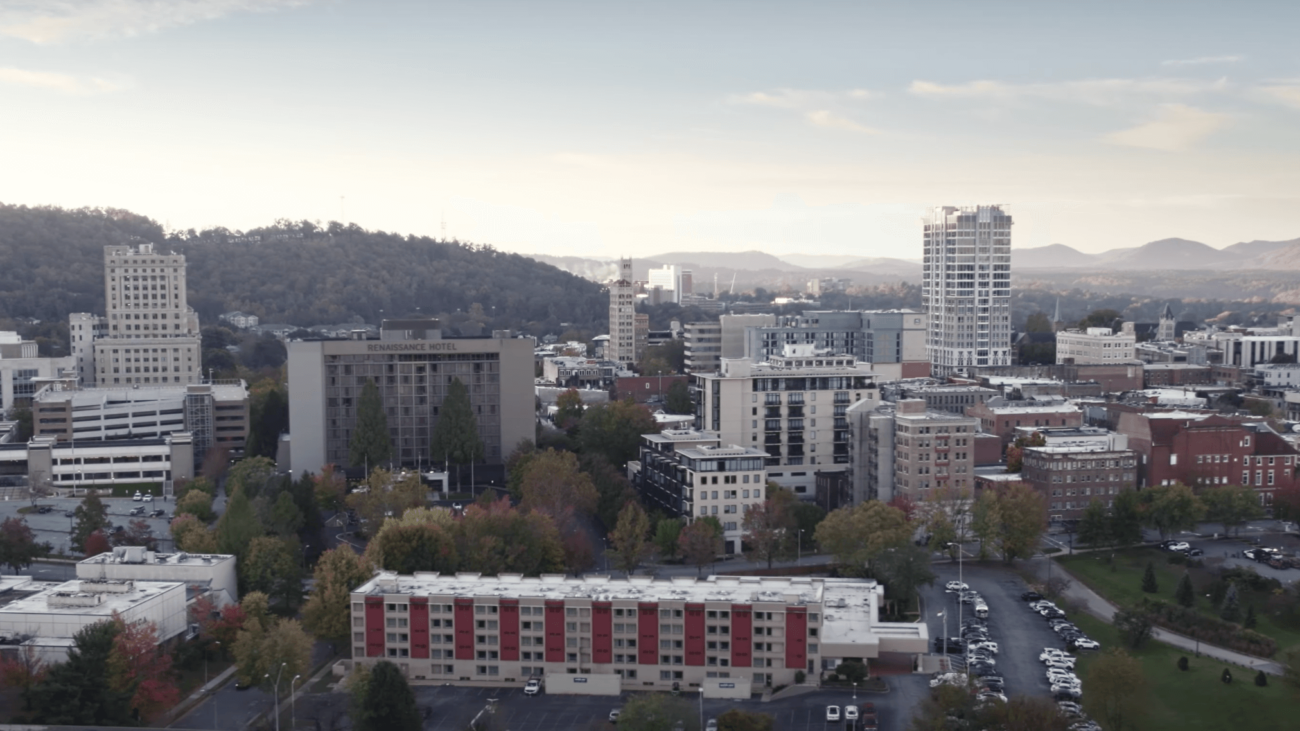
(608, 128)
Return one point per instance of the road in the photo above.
(229, 709)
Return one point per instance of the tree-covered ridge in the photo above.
(293, 272)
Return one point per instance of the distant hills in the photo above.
(1163, 255)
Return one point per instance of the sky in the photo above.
(636, 128)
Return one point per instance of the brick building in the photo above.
(1069, 478)
(641, 632)
(1002, 419)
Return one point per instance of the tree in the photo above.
(678, 399)
(1230, 610)
(500, 538)
(903, 569)
(455, 435)
(1038, 322)
(91, 516)
(249, 476)
(273, 566)
(738, 720)
(1018, 520)
(286, 519)
(423, 539)
(628, 539)
(613, 430)
(197, 503)
(856, 535)
(1126, 518)
(1171, 508)
(553, 483)
(1016, 450)
(1184, 595)
(137, 533)
(371, 445)
(658, 712)
(1095, 526)
(1149, 584)
(1134, 626)
(387, 496)
(1101, 318)
(667, 531)
(285, 644)
(269, 418)
(24, 670)
(139, 668)
(515, 465)
(18, 546)
(1250, 621)
(330, 489)
(238, 526)
(1231, 505)
(76, 692)
(612, 488)
(768, 528)
(386, 703)
(701, 542)
(568, 409)
(97, 543)
(1117, 691)
(192, 536)
(328, 612)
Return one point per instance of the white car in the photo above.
(148, 497)
(989, 645)
(1059, 663)
(955, 586)
(138, 496)
(832, 713)
(948, 679)
(614, 714)
(533, 687)
(1057, 675)
(1052, 652)
(989, 695)
(1085, 643)
(712, 725)
(1180, 546)
(850, 713)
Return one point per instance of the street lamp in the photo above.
(205, 665)
(701, 704)
(276, 700)
(799, 555)
(293, 706)
(855, 685)
(943, 614)
(211, 693)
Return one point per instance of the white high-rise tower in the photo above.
(966, 288)
(622, 315)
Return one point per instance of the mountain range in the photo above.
(1165, 254)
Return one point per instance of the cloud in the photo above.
(800, 98)
(1177, 127)
(58, 82)
(1287, 92)
(1099, 92)
(1202, 60)
(830, 120)
(55, 21)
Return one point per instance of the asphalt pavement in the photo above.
(56, 528)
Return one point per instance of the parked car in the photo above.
(157, 513)
(1052, 652)
(955, 586)
(148, 497)
(850, 713)
(832, 713)
(532, 687)
(1195, 553)
(1179, 547)
(712, 725)
(1031, 596)
(989, 645)
(614, 714)
(138, 496)
(1085, 643)
(136, 511)
(69, 513)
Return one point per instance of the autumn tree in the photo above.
(76, 692)
(455, 435)
(271, 646)
(273, 566)
(97, 543)
(329, 489)
(139, 668)
(568, 409)
(855, 535)
(387, 495)
(903, 569)
(192, 536)
(701, 542)
(328, 612)
(769, 530)
(516, 463)
(24, 670)
(1117, 691)
(197, 503)
(249, 476)
(658, 712)
(386, 702)
(1011, 519)
(612, 488)
(667, 532)
(500, 538)
(1171, 508)
(628, 539)
(1025, 713)
(1016, 450)
(238, 526)
(613, 430)
(1094, 527)
(554, 484)
(91, 516)
(1231, 505)
(422, 539)
(18, 546)
(737, 720)
(371, 445)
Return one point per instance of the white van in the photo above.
(982, 610)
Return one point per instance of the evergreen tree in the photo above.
(385, 702)
(270, 419)
(1149, 584)
(370, 445)
(238, 526)
(1094, 527)
(1250, 621)
(91, 516)
(1185, 596)
(1231, 609)
(77, 692)
(455, 435)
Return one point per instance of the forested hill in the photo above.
(52, 261)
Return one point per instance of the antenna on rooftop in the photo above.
(444, 225)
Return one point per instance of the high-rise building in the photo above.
(966, 288)
(892, 341)
(84, 329)
(152, 335)
(622, 315)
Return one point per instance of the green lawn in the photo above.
(1197, 699)
(1123, 586)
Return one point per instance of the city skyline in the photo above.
(574, 128)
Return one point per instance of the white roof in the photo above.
(40, 602)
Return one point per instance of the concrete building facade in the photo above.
(622, 315)
(646, 634)
(213, 574)
(1096, 345)
(326, 378)
(966, 288)
(84, 329)
(872, 336)
(23, 372)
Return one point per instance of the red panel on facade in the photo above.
(374, 626)
(647, 634)
(742, 635)
(694, 634)
(796, 638)
(555, 631)
(464, 629)
(420, 627)
(602, 632)
(509, 629)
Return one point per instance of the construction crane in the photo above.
(733, 282)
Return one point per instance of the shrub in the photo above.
(1249, 578)
(1178, 559)
(799, 677)
(1261, 679)
(853, 671)
(1250, 621)
(1206, 629)
(1226, 677)
(1182, 663)
(1149, 584)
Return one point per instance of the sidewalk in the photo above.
(1094, 604)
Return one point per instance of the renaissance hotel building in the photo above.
(413, 366)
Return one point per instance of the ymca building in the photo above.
(623, 634)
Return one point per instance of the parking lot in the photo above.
(56, 528)
(452, 708)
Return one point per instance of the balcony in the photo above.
(795, 412)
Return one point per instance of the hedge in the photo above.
(1208, 629)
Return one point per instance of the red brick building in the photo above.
(1003, 419)
(641, 388)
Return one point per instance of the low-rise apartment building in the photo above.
(1002, 417)
(639, 633)
(1071, 477)
(906, 449)
(1096, 345)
